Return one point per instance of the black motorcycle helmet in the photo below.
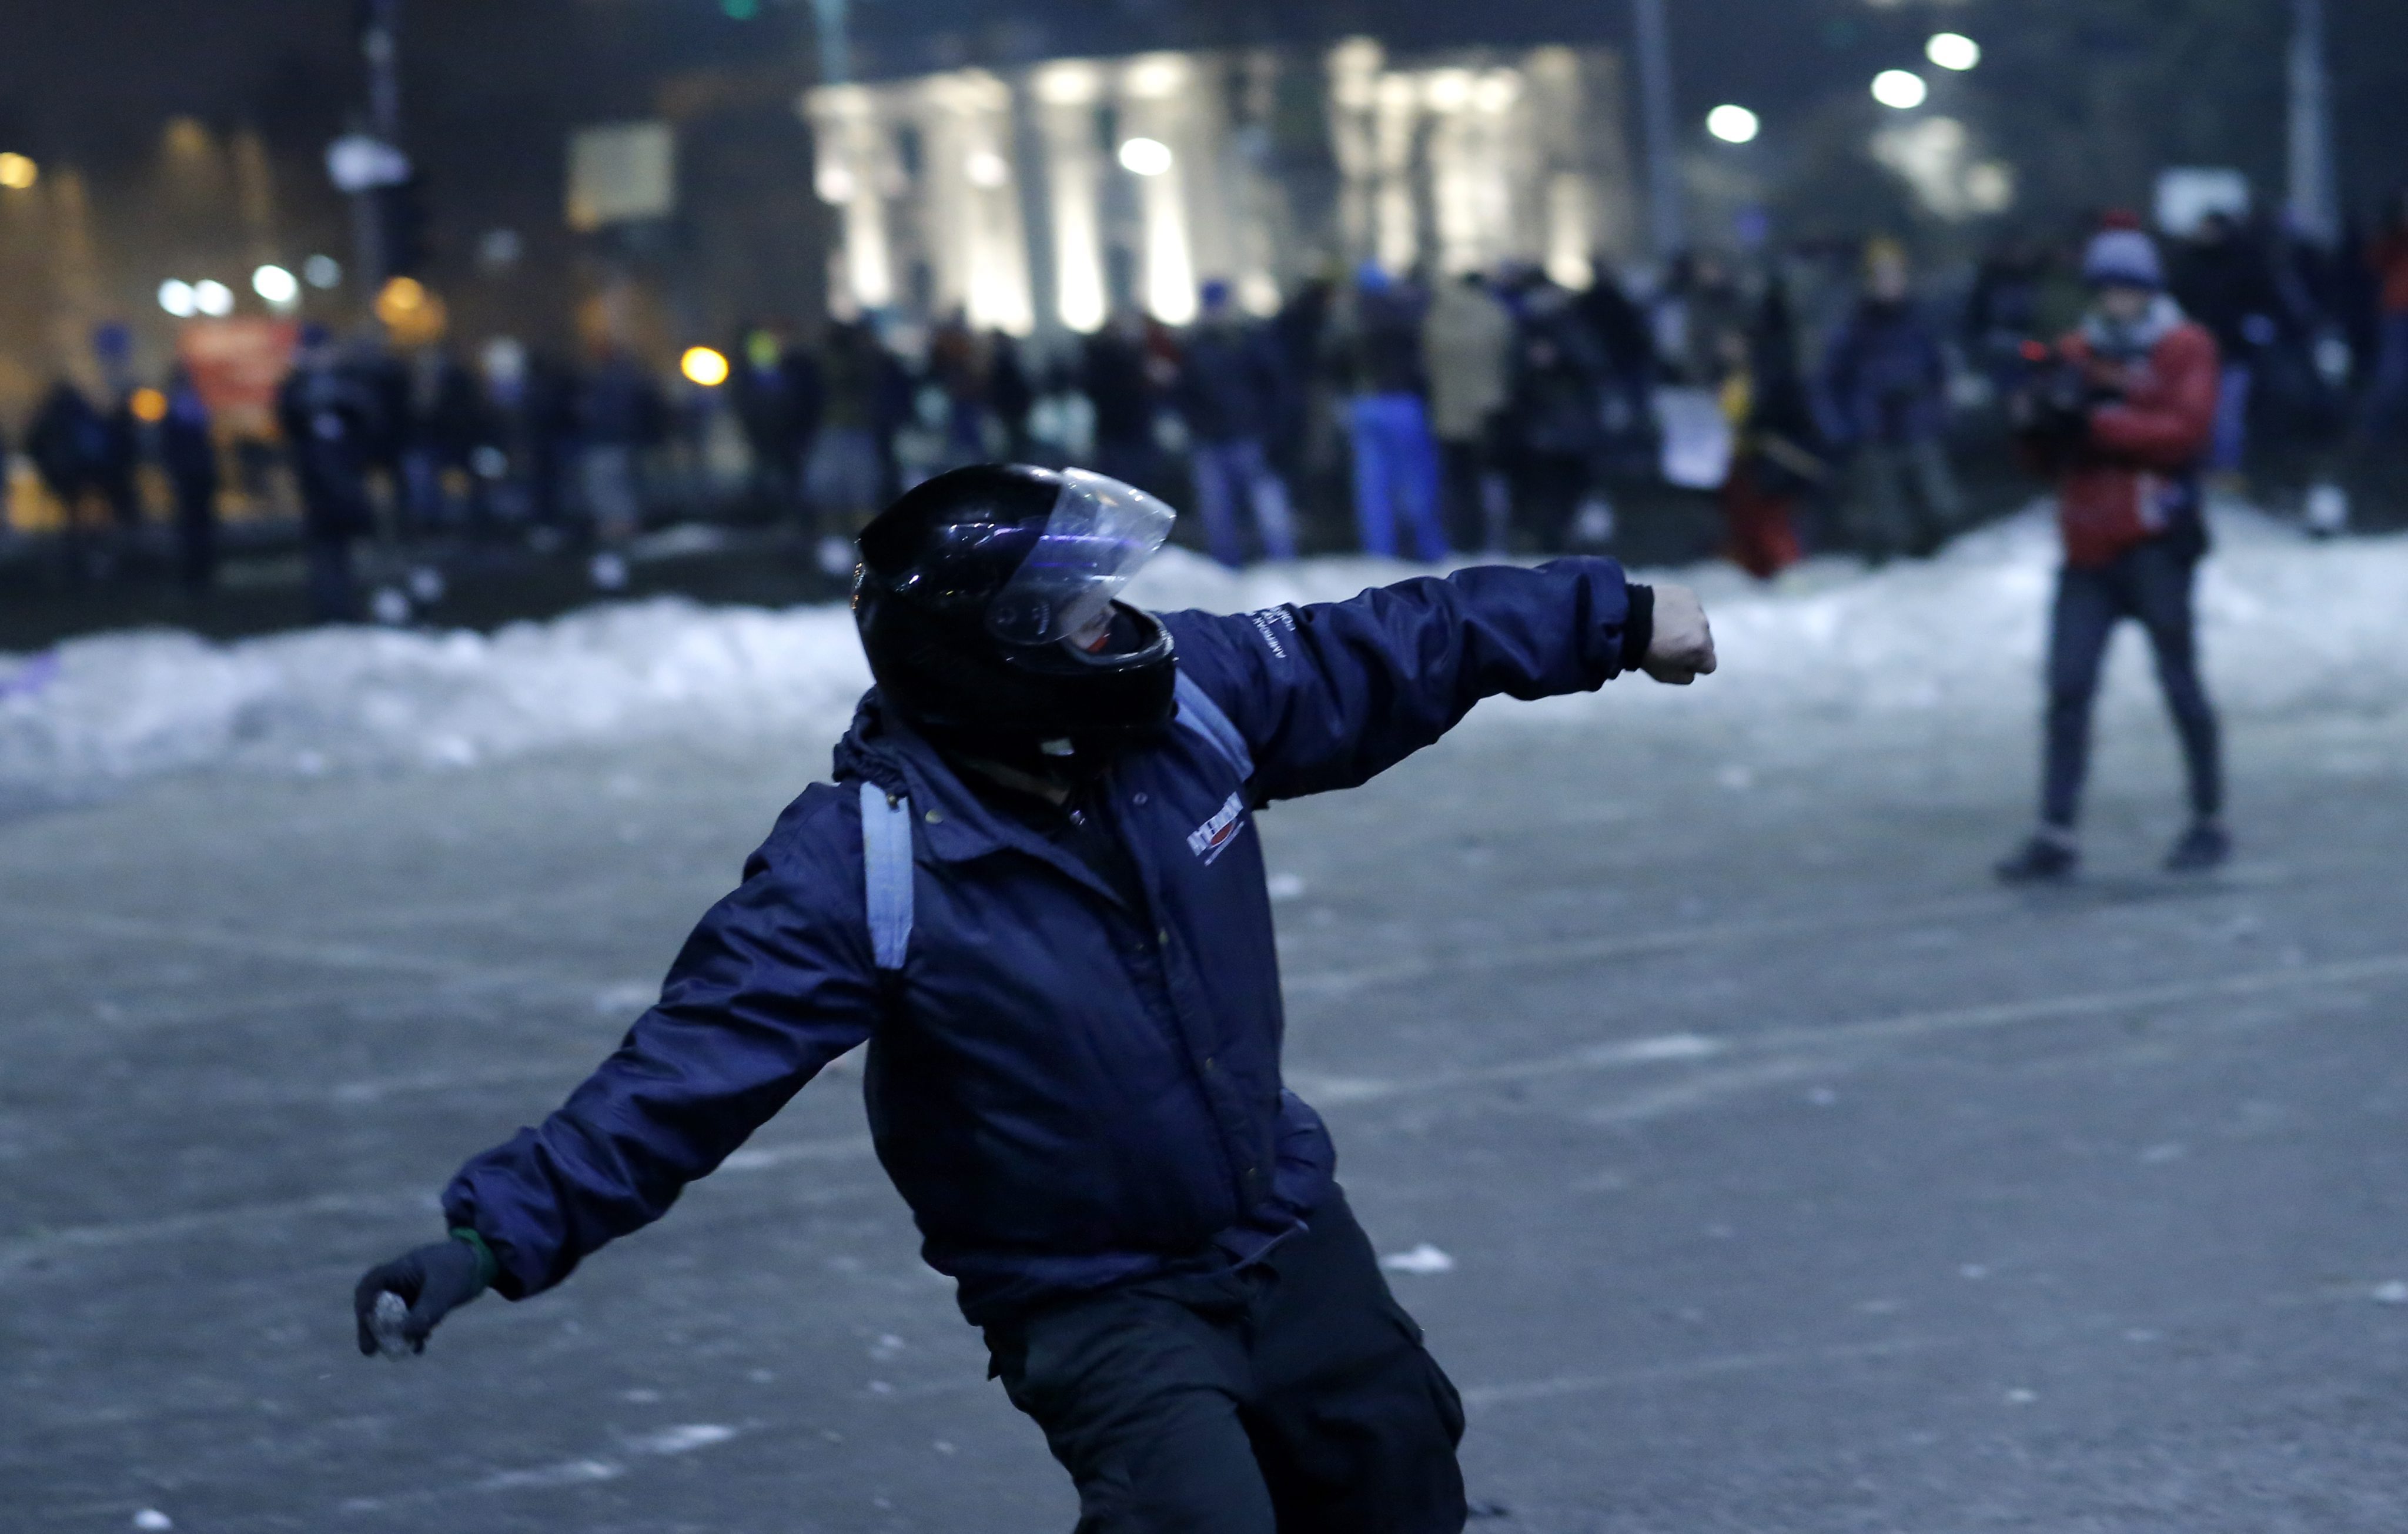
(986, 602)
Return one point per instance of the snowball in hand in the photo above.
(385, 1321)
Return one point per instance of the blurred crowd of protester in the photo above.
(1823, 395)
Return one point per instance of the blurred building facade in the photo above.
(1037, 200)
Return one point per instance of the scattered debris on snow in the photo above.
(573, 1472)
(682, 1440)
(1424, 1258)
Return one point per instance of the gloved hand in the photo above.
(434, 1280)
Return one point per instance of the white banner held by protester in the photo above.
(1696, 437)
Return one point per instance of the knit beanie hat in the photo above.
(2122, 258)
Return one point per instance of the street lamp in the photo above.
(176, 298)
(1145, 156)
(1953, 51)
(1732, 124)
(276, 285)
(18, 171)
(1901, 89)
(987, 169)
(705, 366)
(213, 298)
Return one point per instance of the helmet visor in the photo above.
(1098, 536)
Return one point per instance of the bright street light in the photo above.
(18, 171)
(275, 285)
(1953, 51)
(1145, 157)
(1902, 89)
(987, 169)
(213, 298)
(176, 298)
(1732, 125)
(704, 365)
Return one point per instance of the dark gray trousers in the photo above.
(1293, 1396)
(2153, 583)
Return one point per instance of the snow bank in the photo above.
(2290, 625)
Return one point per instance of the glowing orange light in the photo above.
(149, 406)
(18, 172)
(411, 315)
(704, 365)
(399, 298)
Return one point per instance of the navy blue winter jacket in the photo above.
(1067, 1090)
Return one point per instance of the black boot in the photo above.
(2204, 845)
(2049, 857)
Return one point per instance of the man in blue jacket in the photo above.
(1033, 890)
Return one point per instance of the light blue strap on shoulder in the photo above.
(1198, 712)
(886, 872)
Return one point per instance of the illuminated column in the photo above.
(1472, 172)
(75, 277)
(851, 176)
(1259, 225)
(1354, 140)
(1066, 95)
(1396, 232)
(971, 207)
(1157, 147)
(1557, 114)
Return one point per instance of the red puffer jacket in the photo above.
(2138, 469)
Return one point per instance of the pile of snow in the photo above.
(2290, 624)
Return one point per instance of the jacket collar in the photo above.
(955, 823)
(2128, 343)
(884, 750)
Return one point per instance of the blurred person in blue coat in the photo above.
(1884, 397)
(188, 452)
(1378, 342)
(1036, 893)
(1229, 392)
(330, 421)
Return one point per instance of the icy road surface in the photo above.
(1754, 1162)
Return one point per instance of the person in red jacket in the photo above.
(2386, 258)
(2121, 415)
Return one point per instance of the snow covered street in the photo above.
(1751, 1159)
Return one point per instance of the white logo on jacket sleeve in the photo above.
(1210, 839)
(1264, 621)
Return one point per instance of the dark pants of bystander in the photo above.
(1290, 1396)
(2151, 582)
(334, 589)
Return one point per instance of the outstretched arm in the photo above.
(771, 986)
(1329, 694)
(774, 981)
